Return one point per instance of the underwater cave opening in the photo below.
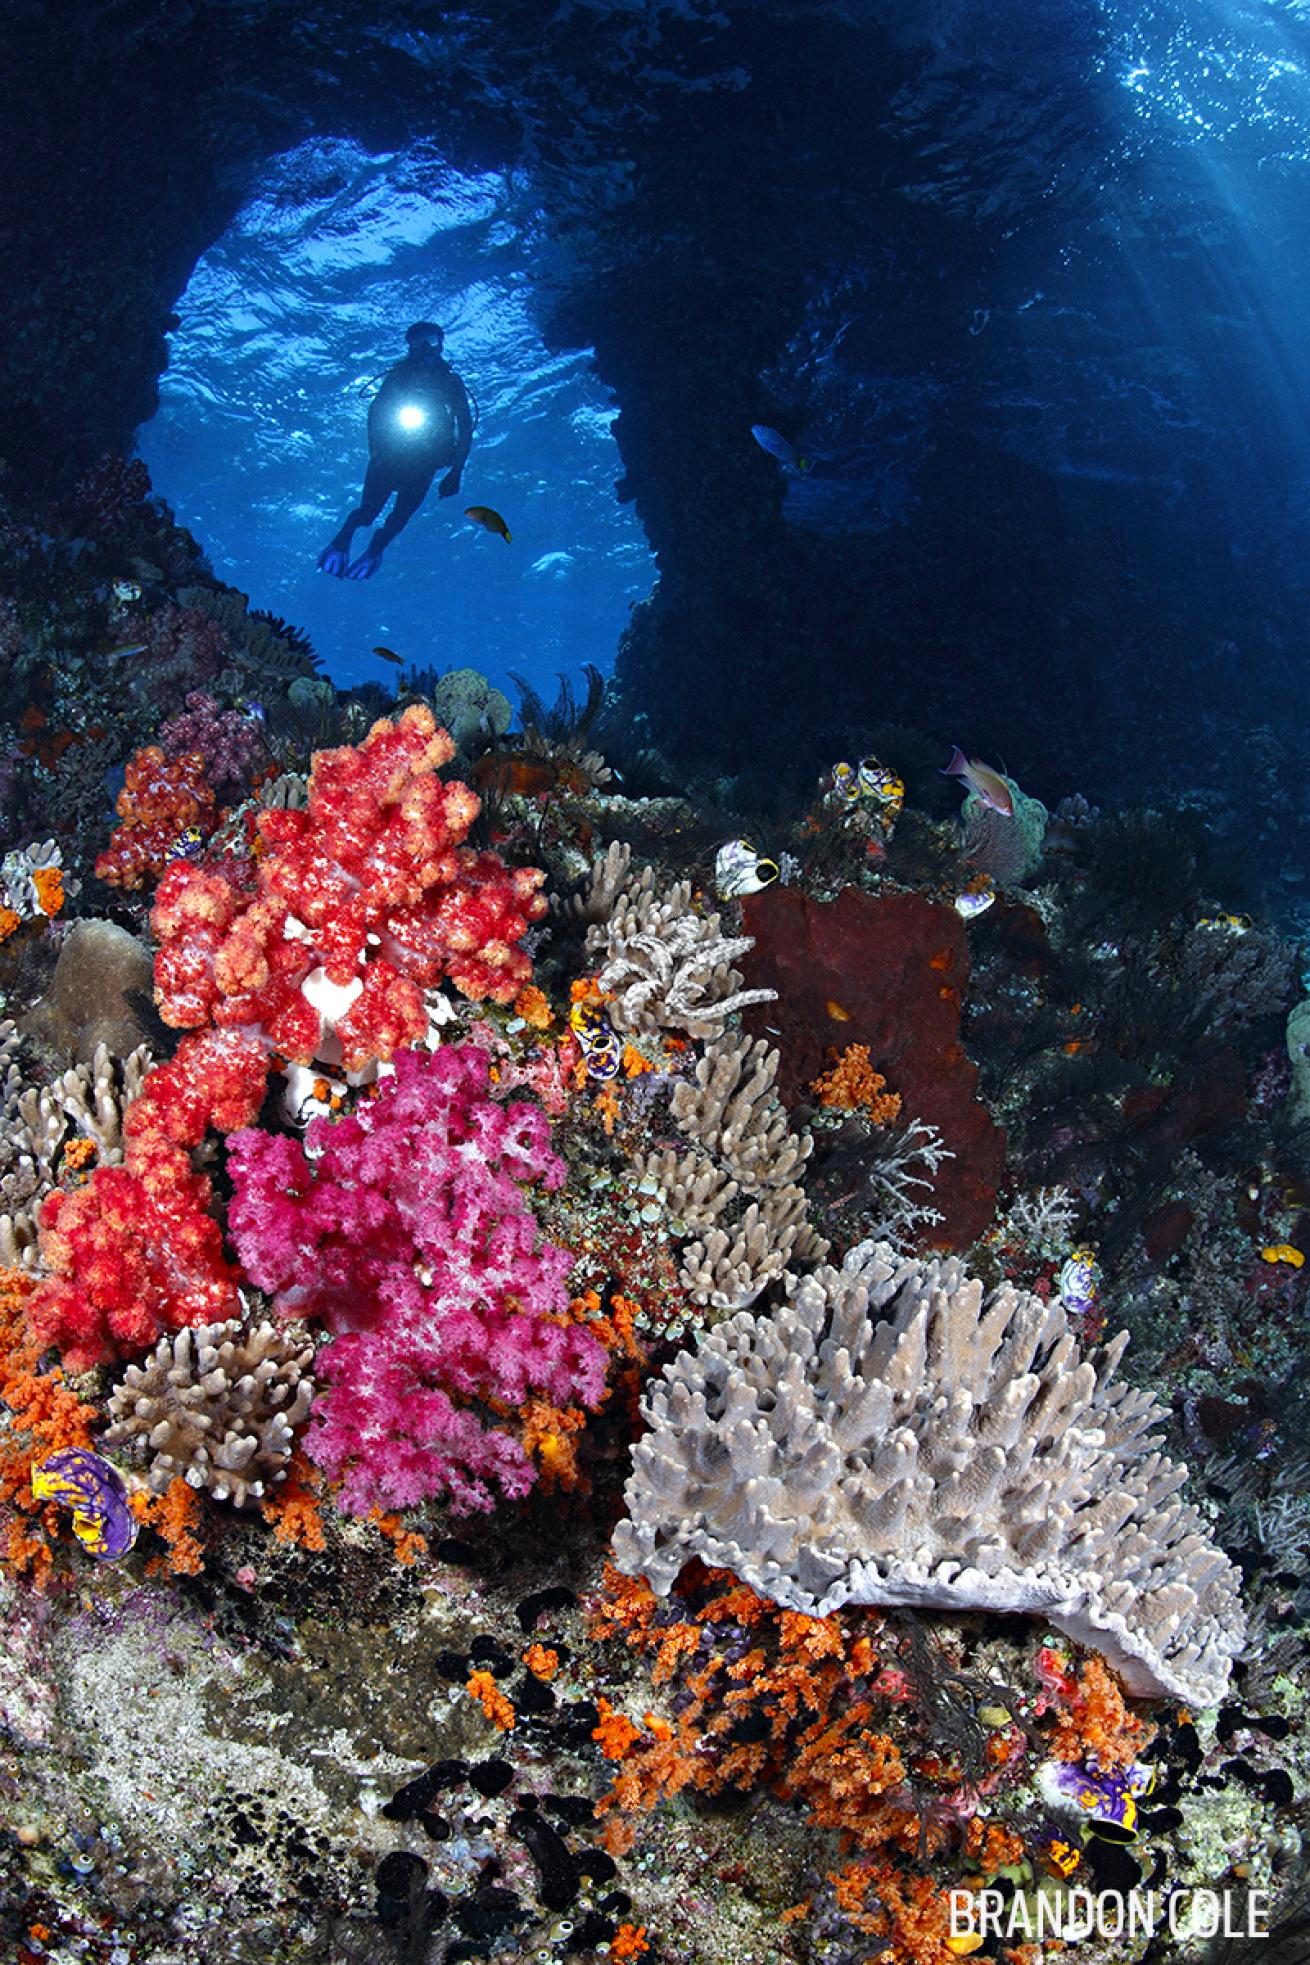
(287, 325)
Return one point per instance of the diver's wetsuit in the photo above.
(405, 459)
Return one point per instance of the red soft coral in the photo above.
(405, 1230)
(162, 797)
(369, 889)
(136, 1252)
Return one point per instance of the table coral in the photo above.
(368, 896)
(405, 1228)
(889, 1436)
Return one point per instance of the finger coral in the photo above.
(744, 1151)
(362, 900)
(891, 1437)
(218, 1405)
(406, 1230)
(667, 967)
(51, 1131)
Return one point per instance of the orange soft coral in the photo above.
(1097, 1724)
(483, 1687)
(406, 1544)
(49, 885)
(175, 1515)
(44, 1416)
(908, 1911)
(806, 1685)
(292, 1508)
(852, 1085)
(533, 1005)
(548, 1437)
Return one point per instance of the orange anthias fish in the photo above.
(988, 786)
(484, 515)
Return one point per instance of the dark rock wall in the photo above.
(716, 188)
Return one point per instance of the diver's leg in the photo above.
(378, 487)
(409, 497)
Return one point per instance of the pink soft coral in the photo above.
(371, 885)
(404, 1229)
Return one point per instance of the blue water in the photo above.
(259, 442)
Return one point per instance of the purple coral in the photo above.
(405, 1230)
(184, 647)
(229, 742)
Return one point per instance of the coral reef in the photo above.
(491, 1198)
(219, 1405)
(892, 1437)
(405, 1230)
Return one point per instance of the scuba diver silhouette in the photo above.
(418, 422)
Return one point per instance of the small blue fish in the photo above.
(93, 1488)
(777, 446)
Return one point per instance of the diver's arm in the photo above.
(463, 420)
